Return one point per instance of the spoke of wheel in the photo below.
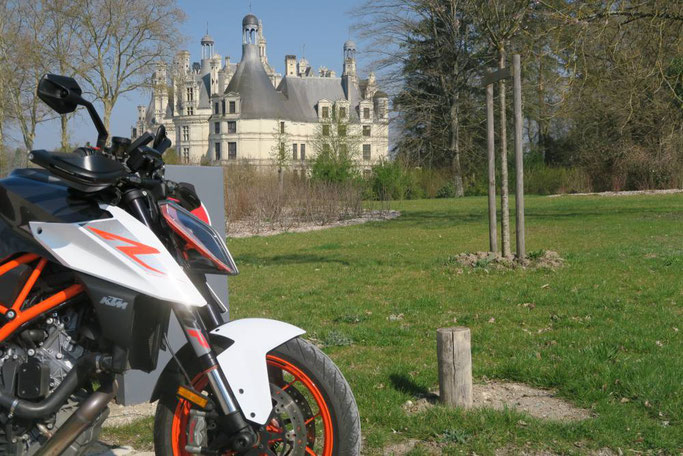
(311, 419)
(311, 452)
(284, 388)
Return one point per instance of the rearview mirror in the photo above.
(61, 93)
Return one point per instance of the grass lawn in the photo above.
(605, 331)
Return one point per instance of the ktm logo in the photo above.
(112, 301)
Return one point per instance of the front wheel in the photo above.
(314, 411)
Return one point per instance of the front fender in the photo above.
(244, 362)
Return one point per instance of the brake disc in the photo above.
(286, 433)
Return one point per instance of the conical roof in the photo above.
(259, 99)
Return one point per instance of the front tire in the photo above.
(315, 412)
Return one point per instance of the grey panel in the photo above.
(137, 386)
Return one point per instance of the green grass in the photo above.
(603, 328)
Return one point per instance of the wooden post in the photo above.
(453, 349)
(519, 156)
(504, 193)
(490, 133)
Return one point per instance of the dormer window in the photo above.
(342, 112)
(190, 94)
(233, 107)
(326, 112)
(366, 113)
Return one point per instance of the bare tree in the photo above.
(120, 42)
(21, 55)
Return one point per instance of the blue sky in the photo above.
(321, 25)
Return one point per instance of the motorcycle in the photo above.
(97, 250)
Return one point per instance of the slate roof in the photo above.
(295, 98)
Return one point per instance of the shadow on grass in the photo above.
(405, 384)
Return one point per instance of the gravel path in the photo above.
(101, 449)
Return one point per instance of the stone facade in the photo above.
(221, 112)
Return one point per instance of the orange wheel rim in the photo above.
(182, 411)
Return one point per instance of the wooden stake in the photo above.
(453, 349)
(490, 133)
(519, 156)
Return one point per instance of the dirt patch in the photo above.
(120, 415)
(629, 193)
(242, 229)
(539, 403)
(543, 259)
(517, 451)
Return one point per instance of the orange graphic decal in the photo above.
(131, 251)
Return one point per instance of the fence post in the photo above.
(490, 133)
(454, 354)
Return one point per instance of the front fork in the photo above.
(240, 434)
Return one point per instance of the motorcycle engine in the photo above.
(31, 369)
(33, 373)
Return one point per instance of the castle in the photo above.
(220, 112)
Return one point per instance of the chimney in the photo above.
(290, 65)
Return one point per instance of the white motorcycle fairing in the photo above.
(120, 250)
(244, 362)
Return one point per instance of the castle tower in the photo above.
(160, 87)
(207, 54)
(182, 62)
(262, 44)
(349, 75)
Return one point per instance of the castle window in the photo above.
(367, 130)
(342, 113)
(217, 127)
(302, 155)
(367, 152)
(341, 130)
(233, 107)
(326, 130)
(232, 151)
(294, 151)
(190, 94)
(326, 112)
(186, 133)
(190, 111)
(223, 107)
(366, 113)
(217, 149)
(186, 155)
(282, 127)
(232, 127)
(215, 108)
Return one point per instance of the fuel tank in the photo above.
(35, 195)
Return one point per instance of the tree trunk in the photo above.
(505, 206)
(541, 121)
(65, 133)
(106, 119)
(455, 151)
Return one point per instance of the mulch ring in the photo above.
(542, 259)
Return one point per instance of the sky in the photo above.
(319, 26)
